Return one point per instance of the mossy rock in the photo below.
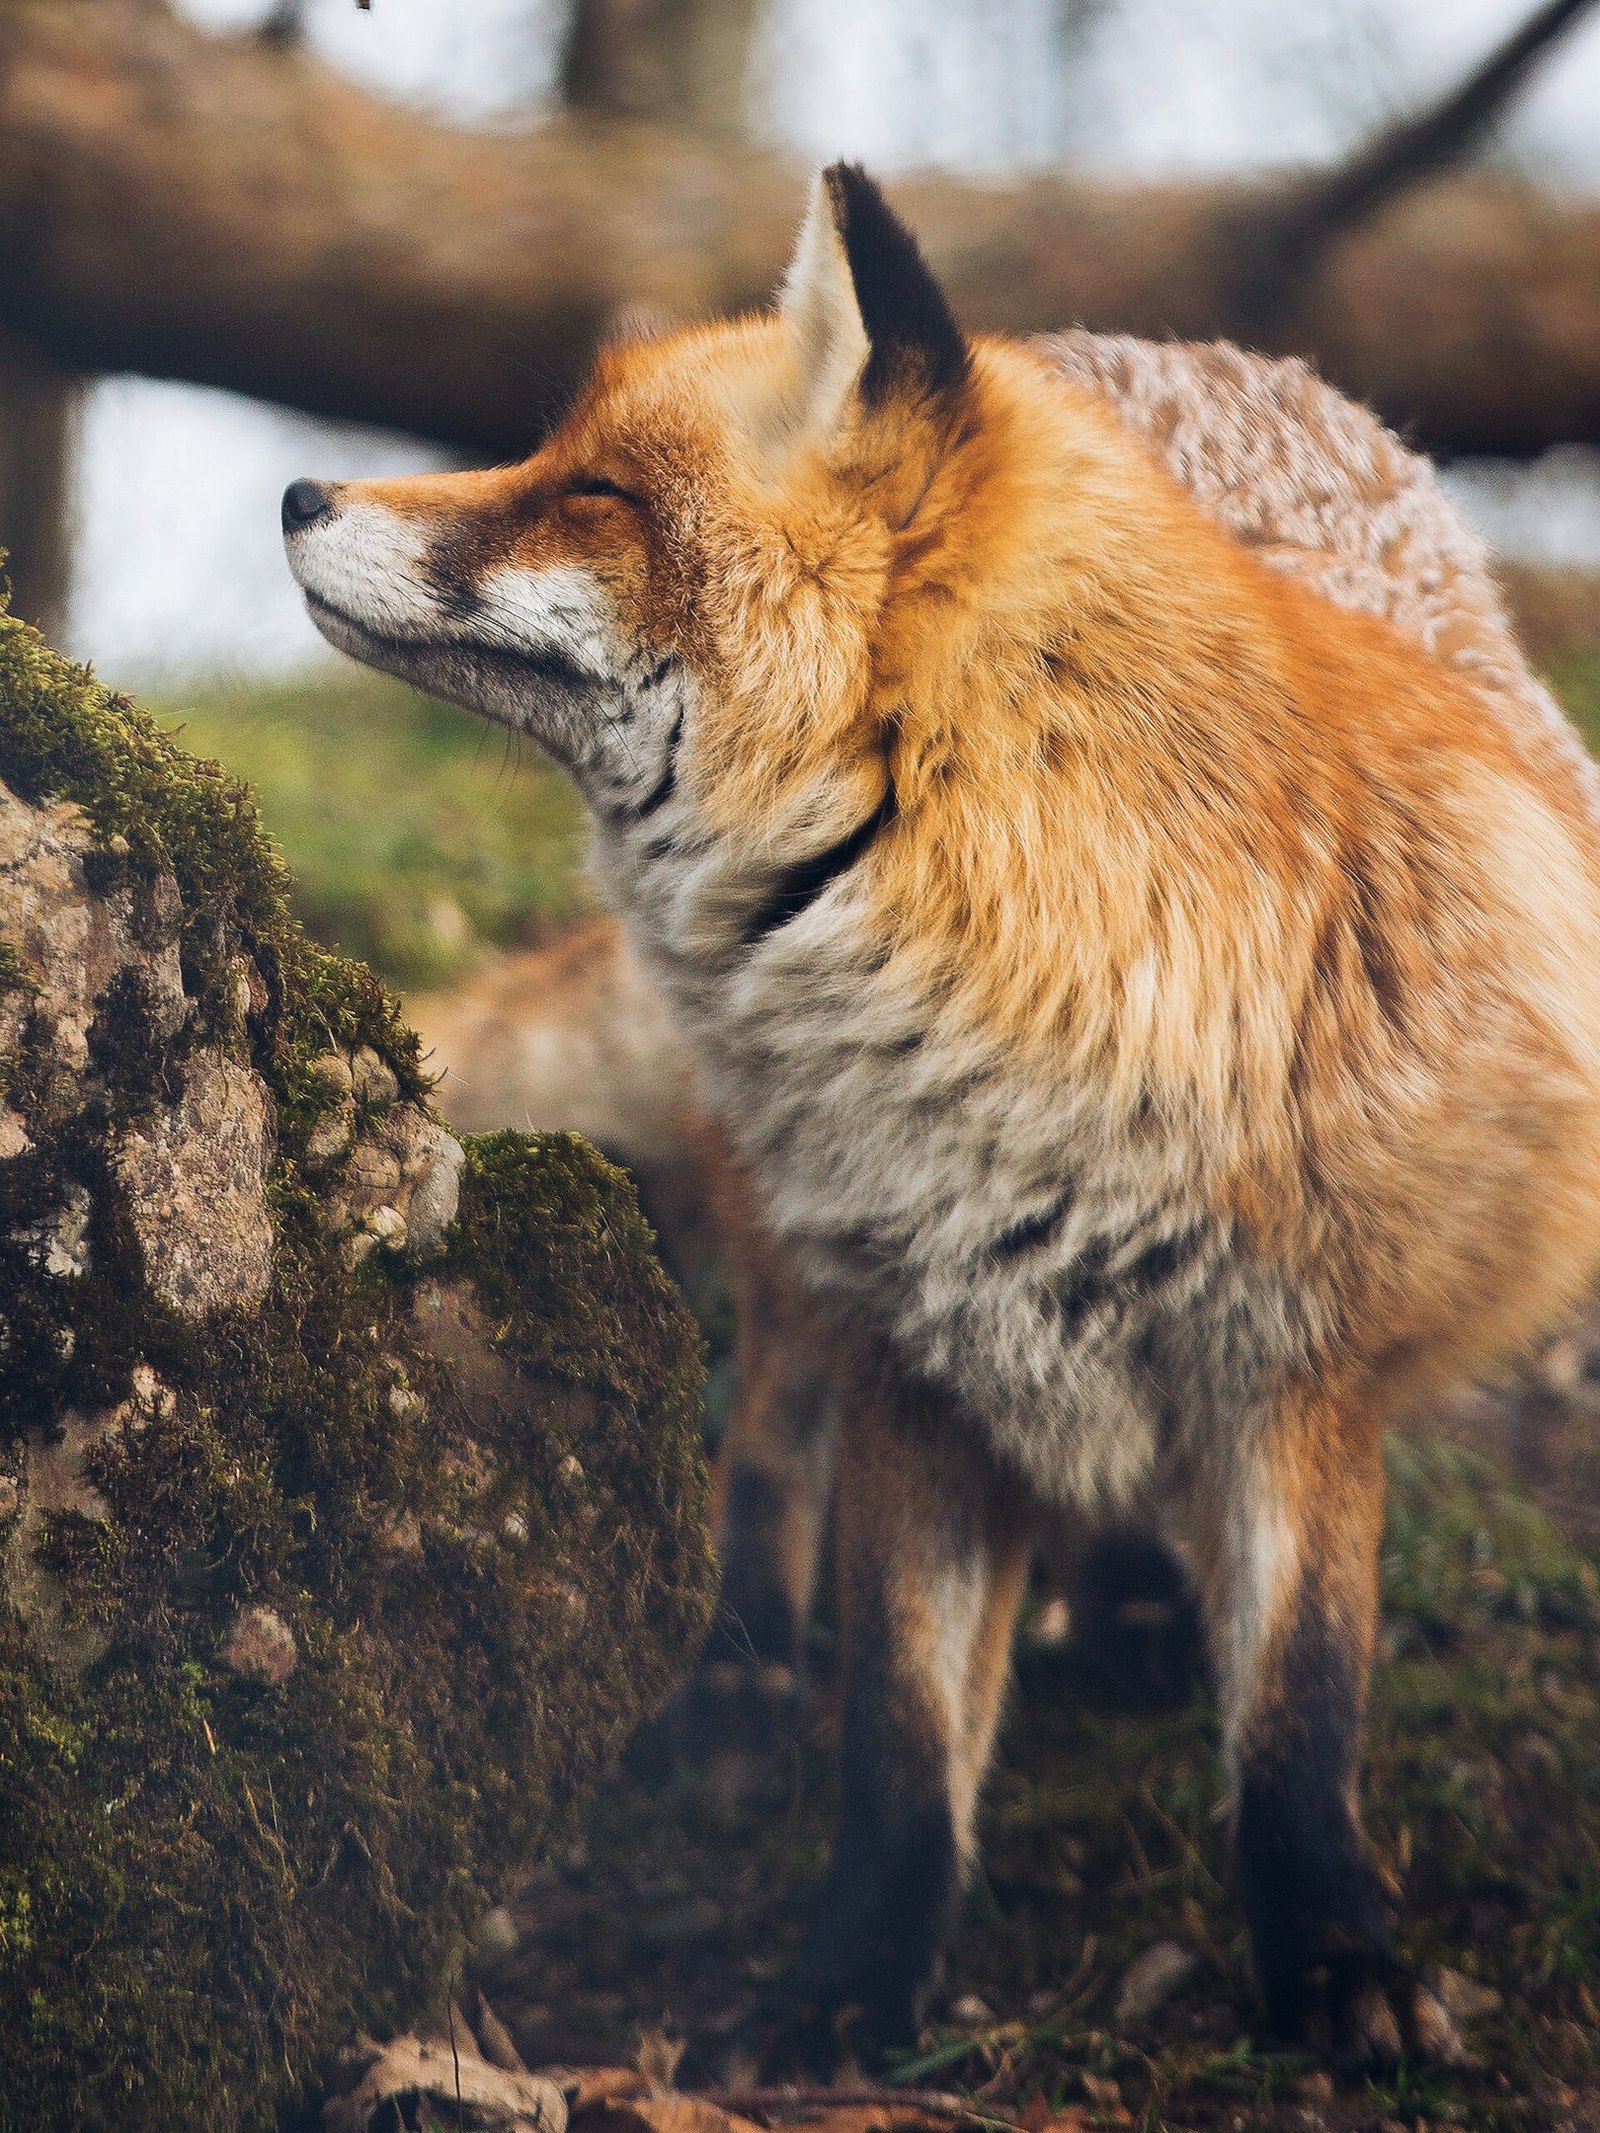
(351, 1499)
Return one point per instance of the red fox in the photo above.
(1138, 921)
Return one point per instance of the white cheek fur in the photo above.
(562, 609)
(615, 716)
(618, 725)
(366, 561)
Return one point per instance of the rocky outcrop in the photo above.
(351, 1505)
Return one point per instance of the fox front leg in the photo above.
(775, 1470)
(745, 1704)
(933, 1553)
(1289, 1559)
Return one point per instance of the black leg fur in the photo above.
(933, 1546)
(758, 1618)
(894, 1881)
(1318, 1921)
(1309, 1893)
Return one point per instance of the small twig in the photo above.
(1448, 129)
(455, 2060)
(1141, 1858)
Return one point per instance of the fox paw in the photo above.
(1368, 2012)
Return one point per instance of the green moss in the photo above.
(63, 736)
(552, 1243)
(209, 1880)
(519, 1190)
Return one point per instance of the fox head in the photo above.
(702, 549)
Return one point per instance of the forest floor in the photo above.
(684, 1892)
(680, 1902)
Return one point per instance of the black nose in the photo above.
(303, 503)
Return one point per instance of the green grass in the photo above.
(418, 837)
(1575, 677)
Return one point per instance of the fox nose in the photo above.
(304, 502)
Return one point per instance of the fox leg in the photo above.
(775, 1469)
(933, 1551)
(774, 1488)
(1290, 1576)
(1138, 1642)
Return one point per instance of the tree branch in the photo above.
(38, 419)
(210, 209)
(1395, 159)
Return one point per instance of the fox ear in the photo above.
(868, 316)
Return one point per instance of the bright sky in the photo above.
(179, 567)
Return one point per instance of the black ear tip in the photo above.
(850, 186)
(909, 324)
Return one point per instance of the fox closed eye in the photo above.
(601, 485)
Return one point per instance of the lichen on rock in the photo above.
(351, 1501)
(195, 1179)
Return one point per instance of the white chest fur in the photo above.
(1023, 1246)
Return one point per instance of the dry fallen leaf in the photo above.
(505, 2098)
(620, 2100)
(494, 2041)
(450, 2074)
(671, 2113)
(592, 2086)
(873, 2118)
(658, 2057)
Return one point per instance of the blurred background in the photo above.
(1161, 142)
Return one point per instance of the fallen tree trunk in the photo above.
(229, 212)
